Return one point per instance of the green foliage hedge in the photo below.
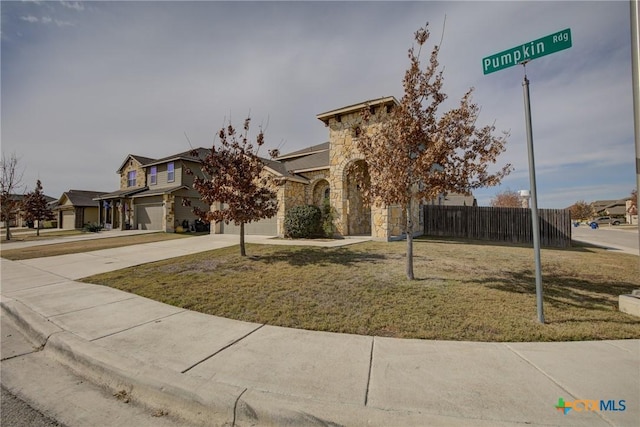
(93, 227)
(302, 222)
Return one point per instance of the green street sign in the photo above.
(528, 51)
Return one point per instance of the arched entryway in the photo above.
(358, 213)
(321, 192)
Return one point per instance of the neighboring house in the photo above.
(610, 207)
(19, 218)
(454, 199)
(77, 208)
(153, 194)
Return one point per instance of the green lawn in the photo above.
(464, 291)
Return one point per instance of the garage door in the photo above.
(68, 220)
(149, 217)
(265, 227)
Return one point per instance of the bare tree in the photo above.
(36, 207)
(507, 199)
(417, 154)
(235, 178)
(10, 183)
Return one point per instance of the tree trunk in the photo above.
(38, 229)
(409, 227)
(8, 230)
(243, 252)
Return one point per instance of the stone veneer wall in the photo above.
(140, 175)
(342, 153)
(290, 194)
(312, 190)
(168, 219)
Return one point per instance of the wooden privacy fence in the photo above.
(498, 224)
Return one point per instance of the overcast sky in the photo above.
(84, 84)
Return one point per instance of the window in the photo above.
(153, 175)
(171, 175)
(131, 179)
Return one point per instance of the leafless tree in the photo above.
(10, 185)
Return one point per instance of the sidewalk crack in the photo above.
(366, 395)
(235, 407)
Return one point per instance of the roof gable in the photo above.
(80, 197)
(141, 160)
(387, 100)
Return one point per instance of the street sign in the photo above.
(528, 51)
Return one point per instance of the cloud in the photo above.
(30, 19)
(132, 77)
(78, 6)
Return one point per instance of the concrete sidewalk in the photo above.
(209, 370)
(52, 240)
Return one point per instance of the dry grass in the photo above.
(464, 291)
(86, 245)
(24, 235)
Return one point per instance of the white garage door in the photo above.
(149, 217)
(68, 220)
(265, 227)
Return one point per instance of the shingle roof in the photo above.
(158, 191)
(140, 159)
(82, 197)
(313, 161)
(120, 193)
(305, 151)
(201, 153)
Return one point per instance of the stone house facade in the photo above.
(326, 171)
(149, 199)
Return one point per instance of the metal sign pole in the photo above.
(635, 72)
(534, 198)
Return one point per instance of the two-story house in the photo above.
(152, 193)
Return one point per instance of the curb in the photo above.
(35, 327)
(204, 402)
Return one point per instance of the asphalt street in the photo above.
(15, 412)
(621, 238)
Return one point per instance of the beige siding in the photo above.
(162, 176)
(186, 212)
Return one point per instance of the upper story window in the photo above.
(153, 175)
(131, 179)
(171, 175)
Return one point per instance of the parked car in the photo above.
(607, 220)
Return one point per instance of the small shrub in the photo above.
(301, 222)
(93, 227)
